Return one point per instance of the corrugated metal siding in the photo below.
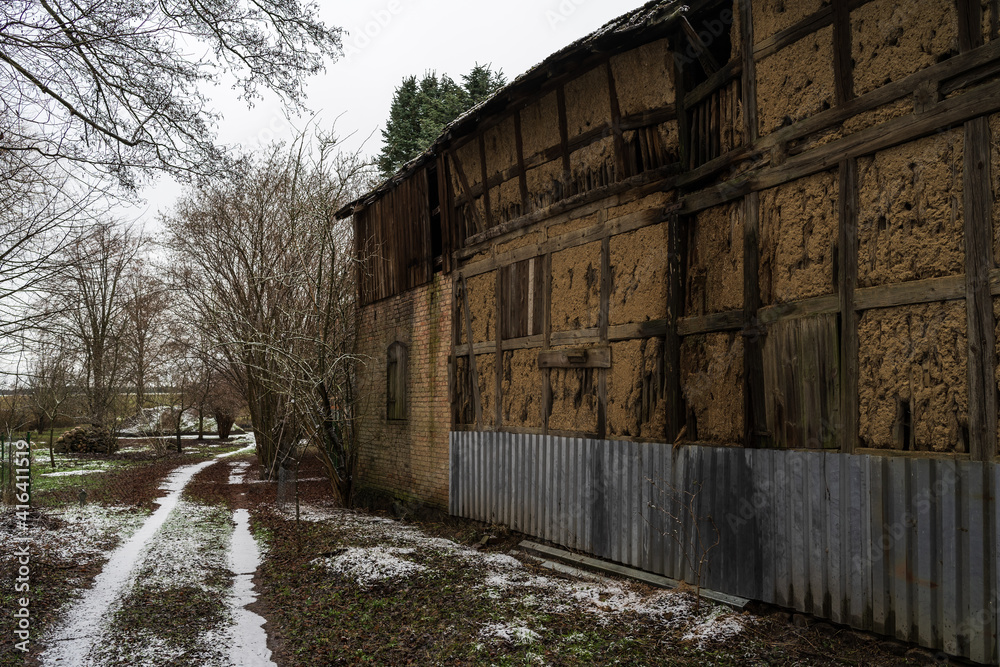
(902, 546)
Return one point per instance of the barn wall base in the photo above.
(902, 546)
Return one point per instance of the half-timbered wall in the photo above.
(827, 169)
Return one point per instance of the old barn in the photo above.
(728, 266)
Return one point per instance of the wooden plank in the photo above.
(978, 196)
(755, 422)
(795, 32)
(584, 357)
(628, 572)
(847, 280)
(473, 374)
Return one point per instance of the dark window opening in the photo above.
(704, 44)
(395, 382)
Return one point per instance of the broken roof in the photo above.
(611, 34)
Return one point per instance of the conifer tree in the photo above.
(421, 109)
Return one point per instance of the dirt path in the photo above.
(167, 595)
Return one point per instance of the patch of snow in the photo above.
(717, 626)
(513, 634)
(70, 473)
(373, 564)
(248, 643)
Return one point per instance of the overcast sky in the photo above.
(391, 39)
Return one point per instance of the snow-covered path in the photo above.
(84, 635)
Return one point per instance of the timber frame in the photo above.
(706, 170)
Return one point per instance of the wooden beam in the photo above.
(485, 178)
(795, 32)
(819, 305)
(730, 320)
(981, 101)
(602, 325)
(676, 252)
(730, 71)
(546, 403)
(680, 99)
(843, 66)
(847, 281)
(522, 172)
(978, 197)
(563, 129)
(705, 57)
(749, 73)
(755, 418)
(501, 295)
(928, 290)
(994, 20)
(970, 22)
(464, 182)
(616, 129)
(585, 203)
(648, 329)
(473, 374)
(584, 357)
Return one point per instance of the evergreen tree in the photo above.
(420, 110)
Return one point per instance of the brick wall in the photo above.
(408, 458)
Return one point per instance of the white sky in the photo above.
(391, 39)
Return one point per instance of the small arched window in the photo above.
(395, 382)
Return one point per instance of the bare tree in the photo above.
(145, 327)
(51, 379)
(87, 304)
(225, 402)
(113, 87)
(268, 270)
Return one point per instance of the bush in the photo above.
(86, 440)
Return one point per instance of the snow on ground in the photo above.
(513, 634)
(367, 565)
(70, 473)
(175, 546)
(83, 533)
(502, 577)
